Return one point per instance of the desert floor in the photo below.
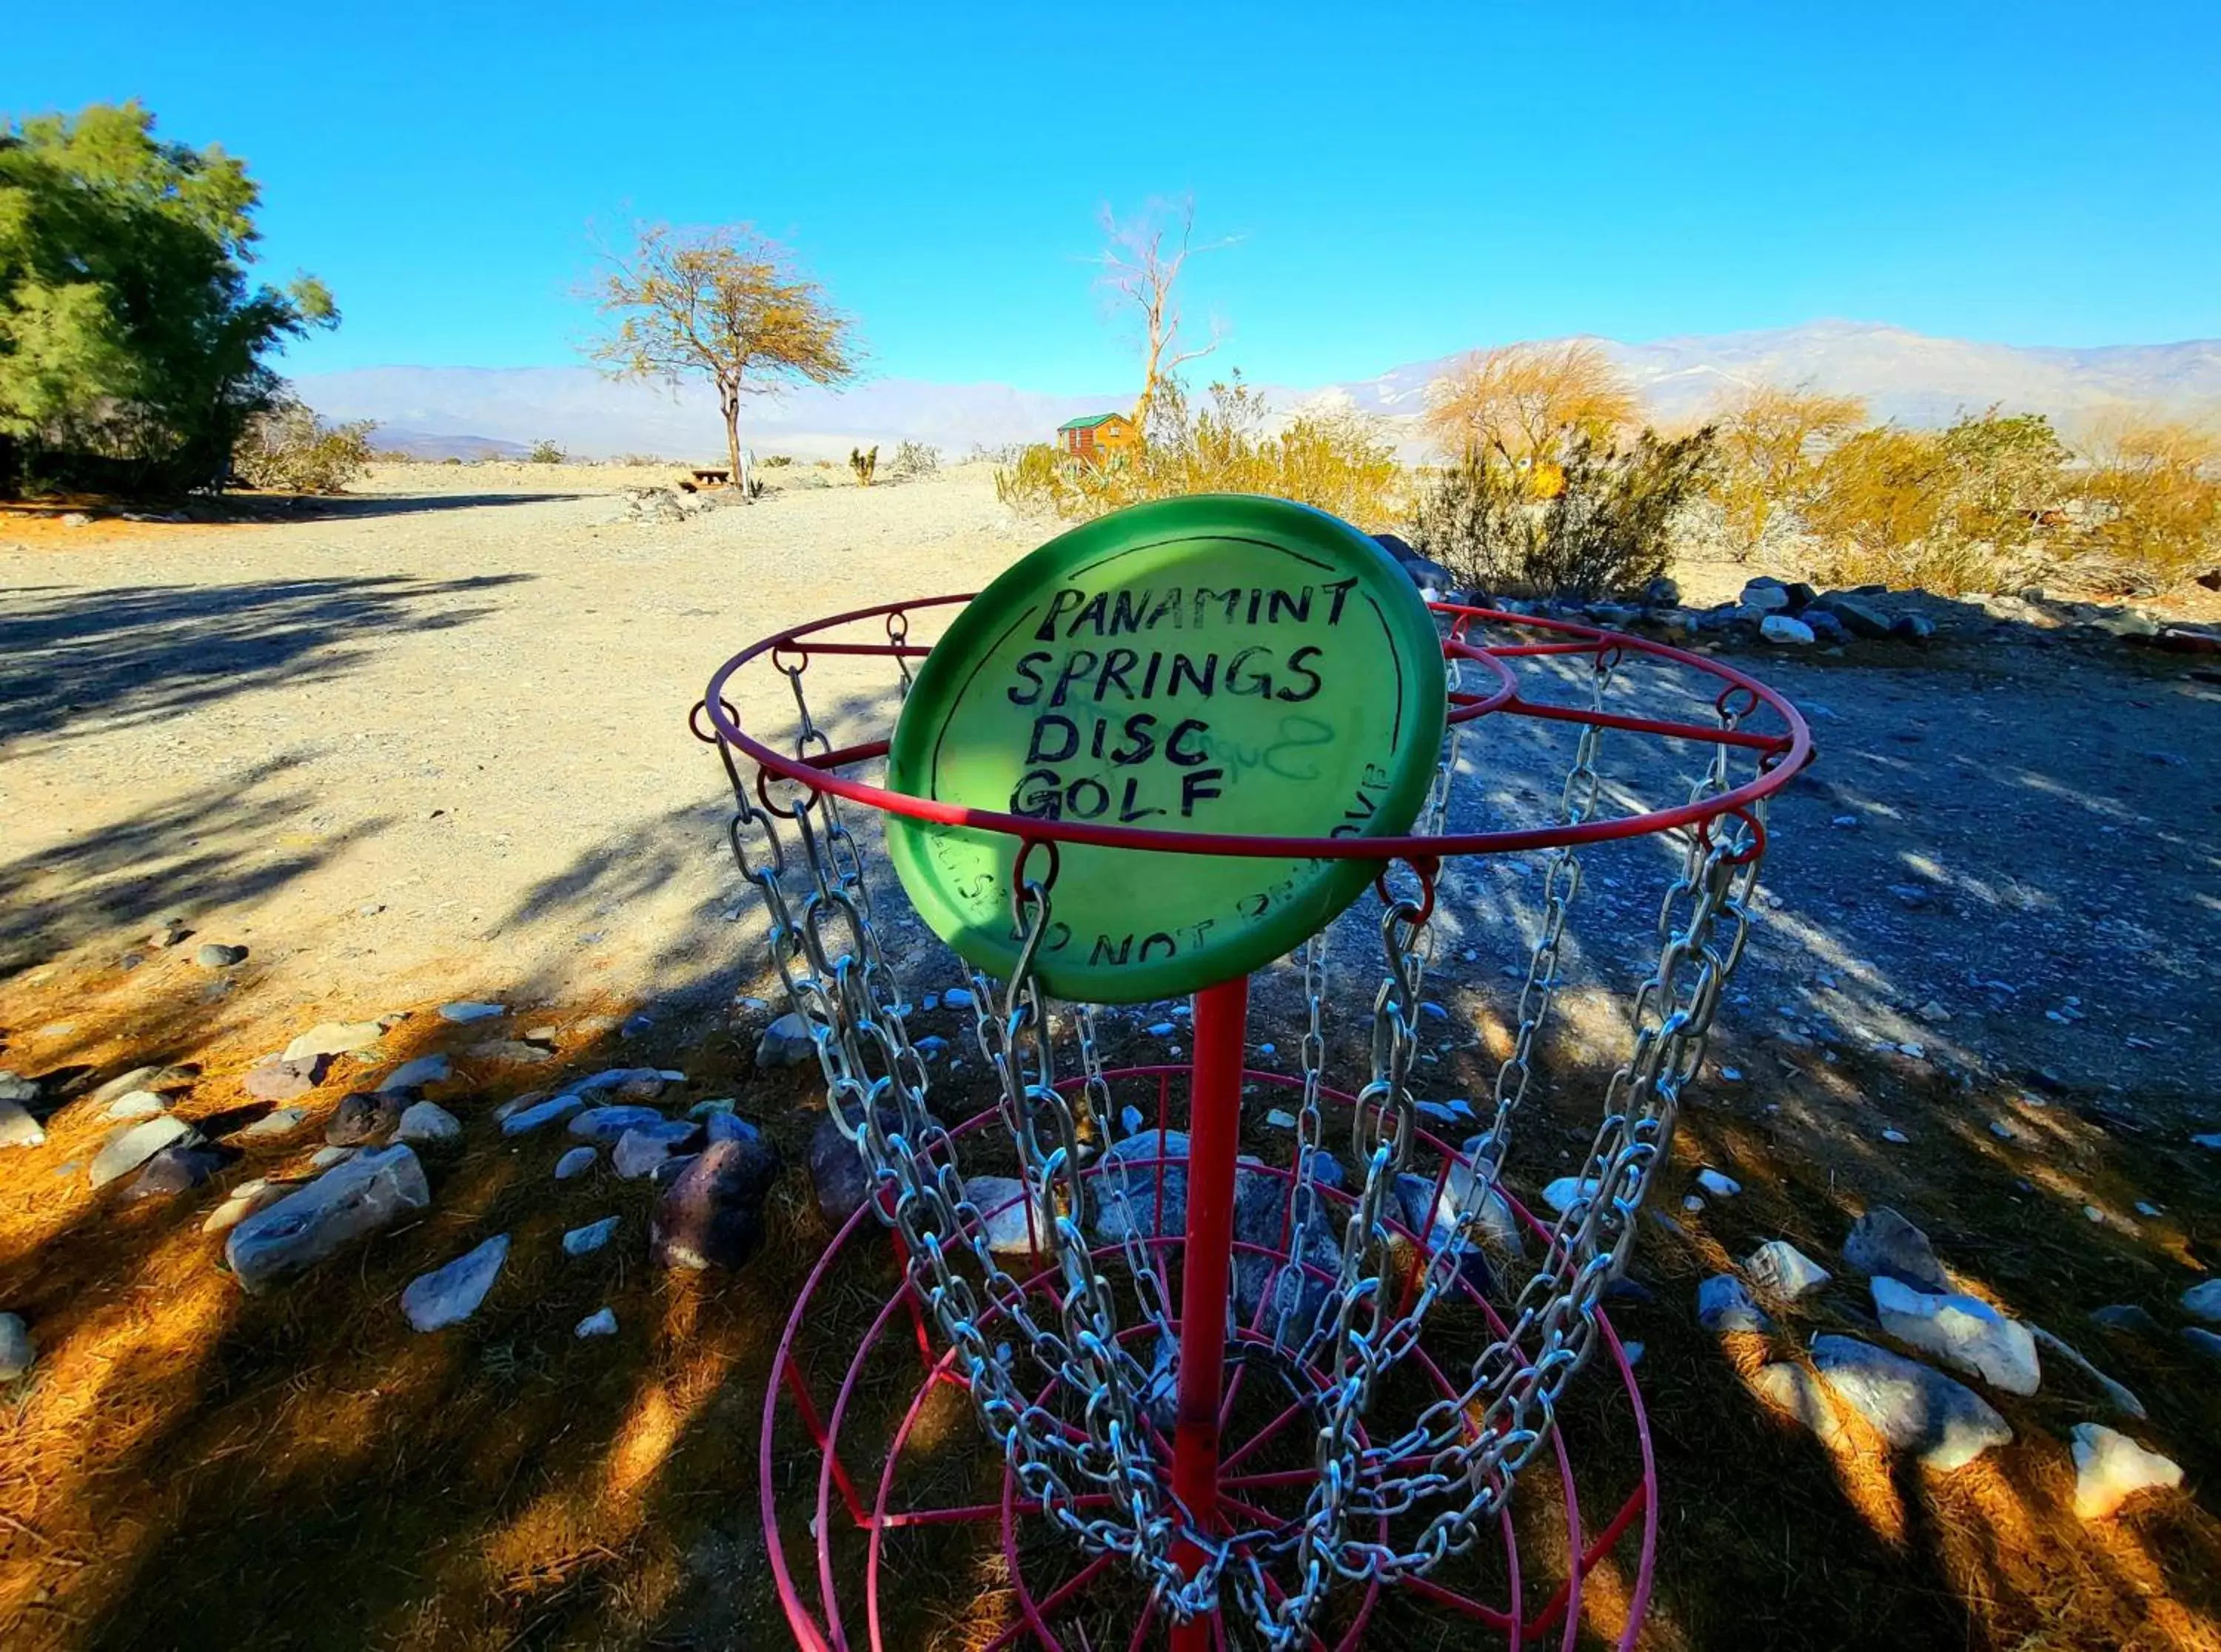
(429, 742)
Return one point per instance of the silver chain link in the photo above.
(1463, 1451)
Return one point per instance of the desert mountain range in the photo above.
(434, 412)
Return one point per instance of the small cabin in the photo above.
(1097, 436)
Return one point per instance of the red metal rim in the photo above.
(820, 1626)
(1781, 756)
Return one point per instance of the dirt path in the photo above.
(430, 735)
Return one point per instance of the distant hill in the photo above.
(1903, 376)
(598, 417)
(423, 445)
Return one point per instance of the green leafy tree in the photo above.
(133, 345)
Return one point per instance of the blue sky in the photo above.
(1404, 180)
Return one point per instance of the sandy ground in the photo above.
(429, 740)
(440, 730)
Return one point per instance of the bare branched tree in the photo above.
(727, 304)
(1142, 259)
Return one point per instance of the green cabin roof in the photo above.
(1088, 423)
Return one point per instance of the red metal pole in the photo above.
(1214, 1138)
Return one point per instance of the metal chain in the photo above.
(1384, 1127)
(1464, 1450)
(1562, 886)
(1515, 1384)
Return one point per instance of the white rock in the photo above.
(412, 1075)
(426, 1121)
(281, 1121)
(449, 1294)
(1494, 1225)
(334, 1038)
(137, 1079)
(1781, 1270)
(1780, 628)
(1563, 1193)
(127, 1149)
(466, 1012)
(584, 1240)
(325, 1157)
(18, 1128)
(531, 1119)
(372, 1190)
(17, 1352)
(1493, 1222)
(2203, 1301)
(603, 1322)
(641, 1149)
(1962, 1330)
(243, 1201)
(1718, 1185)
(1794, 1389)
(2213, 1140)
(1896, 1138)
(135, 1104)
(1002, 1202)
(2110, 1468)
(575, 1163)
(1692, 1203)
(608, 1124)
(1723, 1305)
(1915, 1409)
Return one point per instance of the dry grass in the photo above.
(192, 1465)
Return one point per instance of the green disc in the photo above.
(1221, 665)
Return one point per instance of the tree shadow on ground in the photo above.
(347, 507)
(237, 508)
(214, 845)
(125, 658)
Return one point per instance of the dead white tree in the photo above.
(1141, 263)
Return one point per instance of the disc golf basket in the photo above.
(1235, 1400)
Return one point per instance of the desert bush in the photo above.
(1530, 402)
(544, 452)
(913, 459)
(1608, 529)
(865, 464)
(1946, 511)
(1336, 460)
(2151, 509)
(774, 461)
(289, 449)
(1031, 476)
(1771, 442)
